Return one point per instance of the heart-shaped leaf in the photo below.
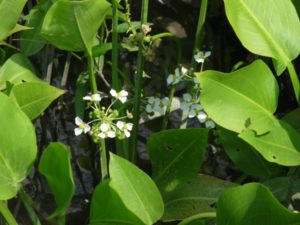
(17, 147)
(34, 98)
(59, 175)
(73, 25)
(16, 70)
(246, 98)
(176, 156)
(253, 204)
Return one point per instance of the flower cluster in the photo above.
(194, 109)
(105, 122)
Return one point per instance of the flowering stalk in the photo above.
(103, 157)
(138, 81)
(198, 36)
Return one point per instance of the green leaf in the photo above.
(281, 145)
(196, 196)
(293, 118)
(108, 208)
(34, 98)
(253, 204)
(73, 25)
(17, 147)
(253, 23)
(16, 70)
(55, 165)
(245, 156)
(246, 98)
(31, 40)
(136, 190)
(10, 12)
(176, 156)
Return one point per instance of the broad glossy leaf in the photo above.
(16, 70)
(246, 98)
(281, 145)
(176, 156)
(10, 12)
(55, 165)
(266, 28)
(33, 98)
(31, 40)
(245, 157)
(73, 25)
(196, 196)
(136, 190)
(17, 147)
(108, 208)
(253, 204)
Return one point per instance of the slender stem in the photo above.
(28, 203)
(115, 46)
(7, 214)
(103, 158)
(157, 36)
(92, 74)
(198, 36)
(295, 80)
(103, 153)
(168, 109)
(198, 216)
(138, 86)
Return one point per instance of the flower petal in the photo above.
(77, 131)
(78, 121)
(113, 93)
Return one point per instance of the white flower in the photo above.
(175, 78)
(195, 110)
(210, 124)
(202, 116)
(201, 56)
(153, 102)
(109, 133)
(187, 102)
(106, 131)
(157, 105)
(92, 98)
(125, 127)
(82, 127)
(122, 95)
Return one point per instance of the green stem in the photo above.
(157, 36)
(92, 74)
(198, 36)
(294, 79)
(168, 109)
(28, 203)
(7, 214)
(138, 86)
(103, 156)
(115, 46)
(198, 216)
